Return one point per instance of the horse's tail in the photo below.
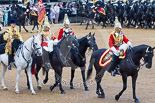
(90, 68)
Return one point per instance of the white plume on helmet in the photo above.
(66, 20)
(151, 1)
(46, 23)
(143, 1)
(125, 1)
(117, 23)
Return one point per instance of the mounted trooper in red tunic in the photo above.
(116, 40)
(66, 29)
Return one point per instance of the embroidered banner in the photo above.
(41, 12)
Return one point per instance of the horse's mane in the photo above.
(59, 43)
(82, 39)
(28, 40)
(139, 47)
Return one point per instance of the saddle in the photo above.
(32, 12)
(107, 56)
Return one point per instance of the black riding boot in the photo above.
(114, 64)
(14, 48)
(9, 61)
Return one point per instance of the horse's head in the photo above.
(148, 55)
(72, 41)
(91, 43)
(16, 10)
(36, 46)
(69, 42)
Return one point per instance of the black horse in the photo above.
(128, 66)
(88, 13)
(120, 12)
(111, 13)
(19, 16)
(60, 57)
(148, 16)
(139, 15)
(34, 20)
(84, 43)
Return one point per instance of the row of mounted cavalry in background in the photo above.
(135, 14)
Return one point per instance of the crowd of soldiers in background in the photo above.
(131, 13)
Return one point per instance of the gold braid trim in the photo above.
(117, 39)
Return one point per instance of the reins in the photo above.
(133, 64)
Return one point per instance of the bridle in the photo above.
(140, 66)
(34, 50)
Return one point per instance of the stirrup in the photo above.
(9, 67)
(113, 73)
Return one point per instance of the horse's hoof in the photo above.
(117, 97)
(33, 93)
(45, 81)
(5, 89)
(28, 88)
(51, 88)
(39, 87)
(101, 96)
(27, 31)
(72, 87)
(137, 101)
(86, 89)
(17, 92)
(63, 92)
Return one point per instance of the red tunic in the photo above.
(112, 40)
(53, 38)
(61, 33)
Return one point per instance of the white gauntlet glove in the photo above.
(129, 44)
(115, 51)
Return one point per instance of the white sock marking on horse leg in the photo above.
(3, 75)
(38, 83)
(17, 80)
